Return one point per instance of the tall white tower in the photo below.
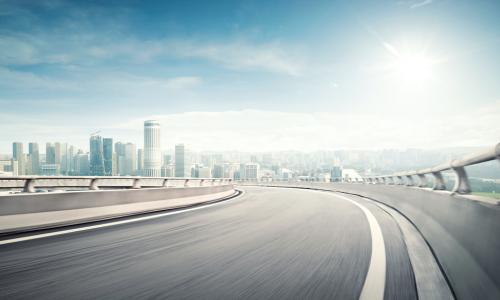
(152, 151)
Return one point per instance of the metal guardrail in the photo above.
(29, 184)
(462, 185)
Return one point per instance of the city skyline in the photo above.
(252, 74)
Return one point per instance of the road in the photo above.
(268, 243)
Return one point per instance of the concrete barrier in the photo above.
(463, 234)
(28, 211)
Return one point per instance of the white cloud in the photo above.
(254, 130)
(182, 82)
(119, 83)
(421, 3)
(26, 80)
(231, 54)
(257, 130)
(416, 3)
(241, 55)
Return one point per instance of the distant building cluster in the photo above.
(106, 157)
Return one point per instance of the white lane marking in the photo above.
(91, 227)
(374, 285)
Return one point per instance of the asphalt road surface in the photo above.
(270, 243)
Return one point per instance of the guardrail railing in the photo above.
(29, 184)
(462, 184)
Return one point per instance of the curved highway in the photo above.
(269, 243)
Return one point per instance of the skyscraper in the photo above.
(130, 159)
(35, 158)
(57, 153)
(64, 158)
(81, 163)
(126, 157)
(71, 158)
(140, 162)
(50, 153)
(96, 156)
(18, 155)
(181, 166)
(107, 145)
(218, 171)
(152, 152)
(120, 158)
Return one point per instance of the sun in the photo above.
(413, 67)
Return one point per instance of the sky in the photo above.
(252, 75)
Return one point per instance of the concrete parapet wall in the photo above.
(463, 234)
(24, 203)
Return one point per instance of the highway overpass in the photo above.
(254, 240)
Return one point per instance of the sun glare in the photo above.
(410, 66)
(414, 67)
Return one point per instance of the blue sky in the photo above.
(270, 75)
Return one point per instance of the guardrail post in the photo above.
(400, 180)
(462, 185)
(201, 182)
(409, 181)
(136, 184)
(186, 183)
(497, 151)
(390, 180)
(165, 183)
(422, 180)
(93, 184)
(438, 181)
(213, 181)
(29, 186)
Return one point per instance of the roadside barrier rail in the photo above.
(30, 184)
(462, 184)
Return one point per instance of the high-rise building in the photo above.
(35, 158)
(126, 157)
(168, 171)
(18, 155)
(81, 161)
(50, 153)
(218, 171)
(182, 169)
(336, 174)
(152, 151)
(71, 158)
(57, 153)
(107, 145)
(204, 172)
(120, 158)
(252, 171)
(167, 159)
(140, 162)
(5, 165)
(14, 167)
(65, 159)
(130, 159)
(96, 156)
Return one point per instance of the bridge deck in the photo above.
(279, 243)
